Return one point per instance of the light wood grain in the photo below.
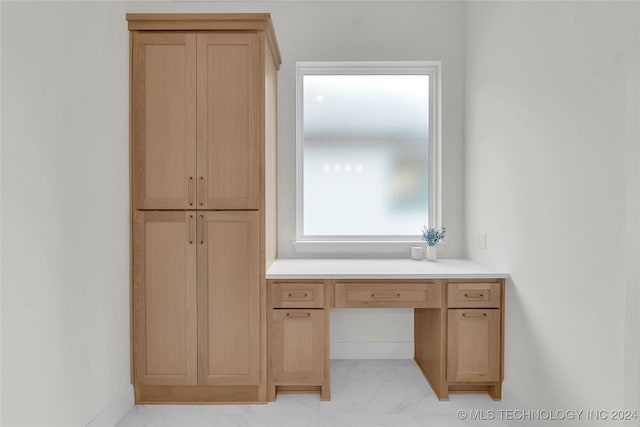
(325, 390)
(298, 351)
(199, 394)
(297, 295)
(430, 338)
(228, 121)
(228, 298)
(430, 347)
(218, 91)
(270, 158)
(473, 345)
(493, 389)
(264, 241)
(131, 216)
(164, 290)
(455, 355)
(163, 119)
(473, 294)
(259, 22)
(381, 293)
(496, 390)
(502, 316)
(298, 341)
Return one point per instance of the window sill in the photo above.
(393, 249)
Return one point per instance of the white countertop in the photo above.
(303, 268)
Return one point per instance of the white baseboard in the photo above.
(371, 350)
(114, 411)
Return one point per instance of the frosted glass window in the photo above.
(365, 144)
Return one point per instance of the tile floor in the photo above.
(364, 393)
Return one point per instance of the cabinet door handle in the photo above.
(298, 295)
(301, 315)
(468, 295)
(472, 315)
(190, 191)
(387, 295)
(190, 225)
(201, 230)
(200, 188)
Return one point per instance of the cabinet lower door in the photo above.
(297, 346)
(164, 298)
(229, 286)
(473, 345)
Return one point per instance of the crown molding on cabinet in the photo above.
(207, 22)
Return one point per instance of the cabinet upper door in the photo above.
(164, 120)
(229, 100)
(229, 298)
(164, 298)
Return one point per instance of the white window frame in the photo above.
(370, 245)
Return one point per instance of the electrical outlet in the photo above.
(481, 240)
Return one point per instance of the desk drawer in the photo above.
(387, 294)
(297, 295)
(481, 295)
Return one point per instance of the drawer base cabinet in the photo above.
(458, 330)
(475, 337)
(298, 340)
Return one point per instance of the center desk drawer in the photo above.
(297, 295)
(387, 294)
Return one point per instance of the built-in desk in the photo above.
(458, 314)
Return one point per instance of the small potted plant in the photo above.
(432, 236)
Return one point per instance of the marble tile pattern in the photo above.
(364, 393)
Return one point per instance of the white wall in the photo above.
(0, 215)
(65, 263)
(632, 232)
(362, 31)
(373, 31)
(546, 140)
(65, 232)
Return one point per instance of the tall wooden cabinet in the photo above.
(203, 188)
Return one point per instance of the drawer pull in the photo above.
(471, 315)
(201, 229)
(298, 295)
(466, 295)
(394, 295)
(200, 190)
(307, 314)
